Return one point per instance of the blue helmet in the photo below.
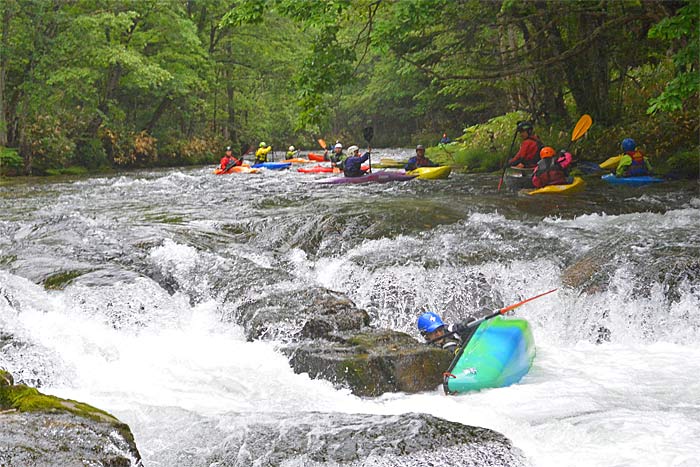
(628, 144)
(429, 322)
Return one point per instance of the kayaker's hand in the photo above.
(460, 328)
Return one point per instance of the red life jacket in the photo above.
(549, 172)
(224, 162)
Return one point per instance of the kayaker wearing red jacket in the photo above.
(226, 159)
(528, 154)
(551, 170)
(432, 328)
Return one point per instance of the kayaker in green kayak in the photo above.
(419, 160)
(633, 162)
(432, 329)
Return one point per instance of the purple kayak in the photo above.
(375, 177)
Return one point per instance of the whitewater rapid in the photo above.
(184, 379)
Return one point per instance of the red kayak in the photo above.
(316, 157)
(317, 169)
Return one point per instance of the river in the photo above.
(148, 330)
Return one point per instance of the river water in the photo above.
(148, 331)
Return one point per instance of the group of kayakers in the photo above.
(551, 167)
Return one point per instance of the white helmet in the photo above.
(352, 149)
(292, 148)
(338, 146)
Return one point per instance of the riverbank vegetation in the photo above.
(94, 84)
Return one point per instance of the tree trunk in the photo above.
(6, 15)
(162, 107)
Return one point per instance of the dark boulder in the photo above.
(353, 440)
(298, 314)
(372, 362)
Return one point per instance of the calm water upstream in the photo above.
(166, 257)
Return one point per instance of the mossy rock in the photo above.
(19, 398)
(372, 362)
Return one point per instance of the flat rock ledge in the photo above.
(42, 430)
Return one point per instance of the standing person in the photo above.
(445, 139)
(633, 163)
(337, 157)
(528, 154)
(353, 164)
(262, 152)
(551, 170)
(419, 160)
(292, 152)
(432, 328)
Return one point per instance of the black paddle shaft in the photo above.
(368, 133)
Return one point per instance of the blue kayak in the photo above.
(273, 165)
(499, 354)
(631, 181)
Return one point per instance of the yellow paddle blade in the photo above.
(322, 143)
(584, 123)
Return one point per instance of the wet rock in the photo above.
(591, 272)
(372, 362)
(293, 315)
(320, 439)
(43, 430)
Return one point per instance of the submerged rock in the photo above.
(321, 439)
(42, 430)
(372, 362)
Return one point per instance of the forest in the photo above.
(89, 85)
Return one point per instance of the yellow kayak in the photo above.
(611, 163)
(431, 173)
(575, 187)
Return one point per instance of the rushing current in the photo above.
(151, 266)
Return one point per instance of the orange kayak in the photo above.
(239, 169)
(297, 160)
(315, 157)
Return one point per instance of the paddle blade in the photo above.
(322, 143)
(584, 123)
(368, 133)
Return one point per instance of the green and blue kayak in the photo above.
(499, 354)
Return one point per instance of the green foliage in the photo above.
(10, 161)
(685, 86)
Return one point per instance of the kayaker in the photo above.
(262, 152)
(226, 159)
(528, 154)
(633, 162)
(353, 164)
(432, 328)
(337, 157)
(552, 170)
(419, 160)
(292, 153)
